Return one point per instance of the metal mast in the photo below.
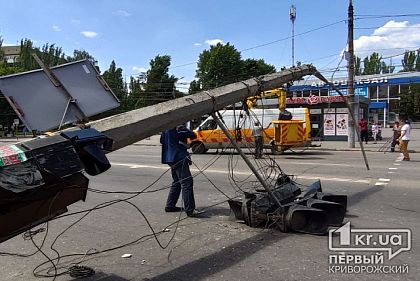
(292, 13)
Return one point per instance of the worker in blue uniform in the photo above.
(175, 154)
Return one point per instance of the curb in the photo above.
(357, 149)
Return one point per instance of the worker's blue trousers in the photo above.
(182, 181)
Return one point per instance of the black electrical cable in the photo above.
(80, 271)
(148, 236)
(123, 200)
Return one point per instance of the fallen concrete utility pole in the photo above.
(133, 126)
(54, 166)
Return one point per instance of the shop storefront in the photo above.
(329, 115)
(382, 90)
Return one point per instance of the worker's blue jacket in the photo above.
(174, 144)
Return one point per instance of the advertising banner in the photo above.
(342, 124)
(329, 124)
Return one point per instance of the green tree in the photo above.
(254, 68)
(417, 63)
(222, 64)
(26, 61)
(219, 66)
(6, 112)
(7, 70)
(114, 79)
(137, 86)
(1, 51)
(160, 86)
(372, 64)
(194, 87)
(409, 61)
(387, 68)
(357, 66)
(51, 55)
(83, 55)
(409, 104)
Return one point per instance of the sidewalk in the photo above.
(380, 146)
(414, 145)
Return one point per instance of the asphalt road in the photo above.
(218, 247)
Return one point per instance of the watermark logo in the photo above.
(362, 250)
(393, 241)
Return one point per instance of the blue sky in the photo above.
(134, 32)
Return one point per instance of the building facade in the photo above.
(11, 54)
(380, 92)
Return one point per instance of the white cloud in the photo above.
(390, 39)
(56, 28)
(89, 34)
(138, 70)
(122, 13)
(213, 42)
(197, 44)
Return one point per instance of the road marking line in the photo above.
(323, 164)
(393, 168)
(391, 172)
(362, 181)
(382, 179)
(397, 164)
(381, 183)
(308, 177)
(135, 155)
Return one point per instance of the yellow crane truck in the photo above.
(279, 135)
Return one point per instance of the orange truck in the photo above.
(278, 135)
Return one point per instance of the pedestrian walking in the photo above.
(375, 131)
(405, 138)
(396, 132)
(363, 126)
(175, 154)
(258, 136)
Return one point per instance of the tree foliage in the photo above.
(222, 64)
(357, 66)
(50, 54)
(1, 51)
(83, 55)
(255, 68)
(194, 87)
(372, 64)
(137, 86)
(114, 78)
(160, 86)
(411, 61)
(387, 68)
(218, 66)
(409, 104)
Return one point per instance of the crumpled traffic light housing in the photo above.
(41, 177)
(311, 211)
